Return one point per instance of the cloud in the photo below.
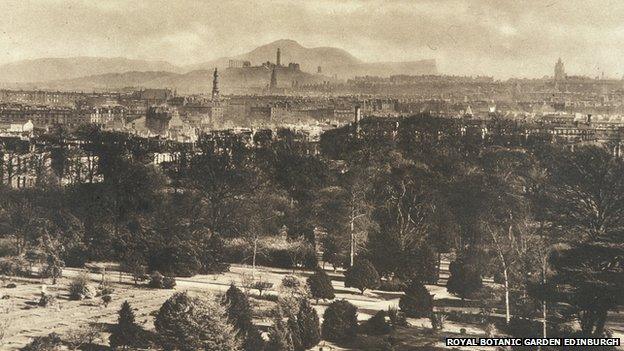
(500, 38)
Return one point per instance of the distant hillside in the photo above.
(192, 82)
(86, 73)
(308, 58)
(333, 61)
(48, 69)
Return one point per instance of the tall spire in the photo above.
(215, 85)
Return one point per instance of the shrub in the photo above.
(464, 279)
(377, 324)
(262, 286)
(339, 322)
(191, 323)
(51, 342)
(106, 299)
(158, 281)
(168, 283)
(397, 318)
(76, 339)
(417, 302)
(105, 289)
(14, 266)
(437, 320)
(11, 286)
(290, 283)
(320, 285)
(309, 325)
(362, 276)
(80, 289)
(47, 300)
(126, 332)
(392, 285)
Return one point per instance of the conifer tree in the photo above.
(125, 333)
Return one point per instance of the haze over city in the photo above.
(500, 39)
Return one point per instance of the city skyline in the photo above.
(464, 37)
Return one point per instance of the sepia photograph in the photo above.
(326, 175)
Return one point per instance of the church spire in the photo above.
(215, 85)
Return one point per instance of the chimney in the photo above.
(279, 57)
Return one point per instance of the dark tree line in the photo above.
(544, 220)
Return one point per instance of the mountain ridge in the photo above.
(92, 71)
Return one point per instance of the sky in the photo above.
(500, 38)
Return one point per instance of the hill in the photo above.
(333, 61)
(48, 69)
(86, 73)
(196, 81)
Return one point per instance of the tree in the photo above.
(344, 212)
(377, 324)
(240, 314)
(295, 333)
(339, 322)
(417, 302)
(320, 285)
(309, 326)
(126, 332)
(134, 264)
(237, 306)
(280, 334)
(464, 279)
(507, 221)
(587, 203)
(408, 210)
(188, 323)
(362, 276)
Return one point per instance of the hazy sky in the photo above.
(499, 37)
